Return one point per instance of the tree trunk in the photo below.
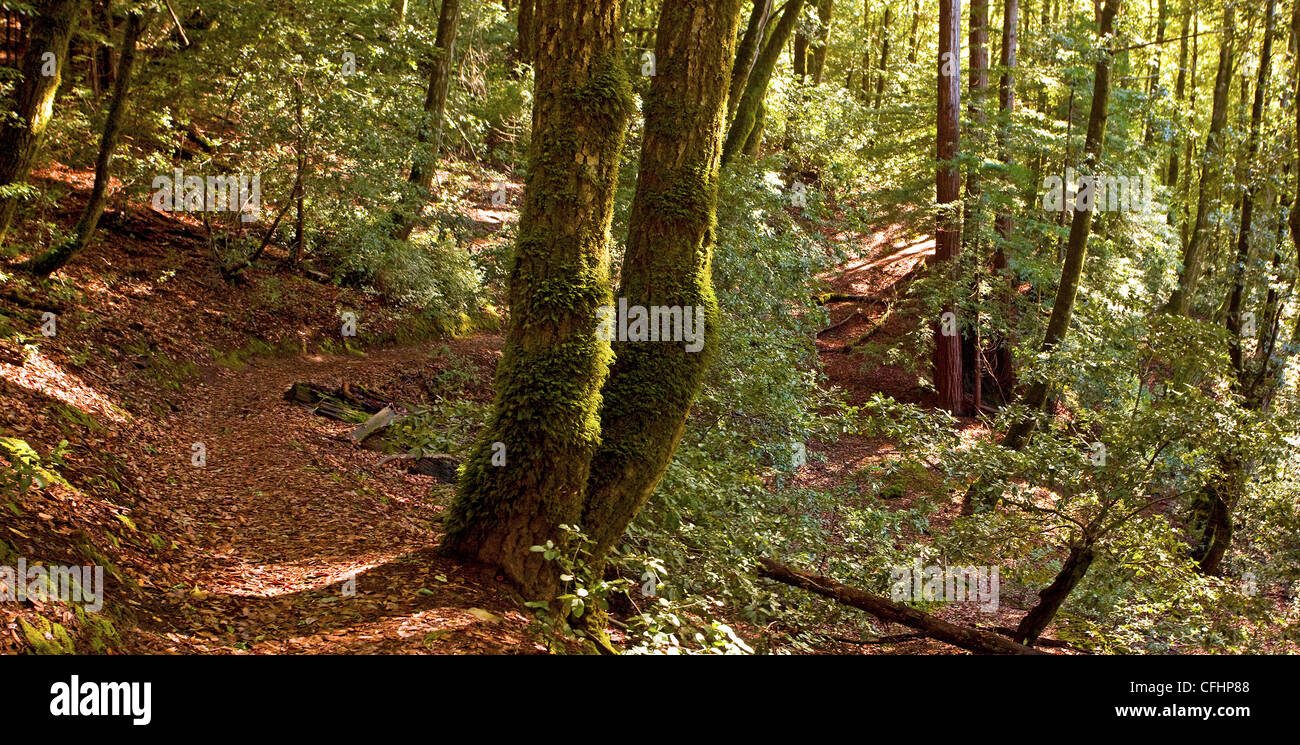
(1058, 324)
(31, 105)
(882, 72)
(54, 259)
(1211, 166)
(525, 29)
(817, 61)
(1162, 19)
(947, 346)
(1001, 351)
(1233, 320)
(912, 38)
(1179, 86)
(527, 473)
(429, 136)
(1054, 595)
(747, 54)
(751, 100)
(975, 640)
(667, 263)
(1080, 227)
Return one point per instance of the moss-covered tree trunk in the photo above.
(428, 136)
(1211, 166)
(742, 125)
(52, 260)
(31, 105)
(667, 264)
(527, 473)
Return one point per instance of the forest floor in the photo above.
(290, 539)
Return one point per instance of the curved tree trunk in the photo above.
(528, 471)
(667, 263)
(31, 106)
(57, 257)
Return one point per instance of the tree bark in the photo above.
(54, 259)
(525, 28)
(883, 70)
(1002, 222)
(670, 240)
(1179, 86)
(544, 421)
(1035, 398)
(742, 125)
(31, 105)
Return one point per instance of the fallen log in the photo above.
(965, 637)
(441, 467)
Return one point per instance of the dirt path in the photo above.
(290, 539)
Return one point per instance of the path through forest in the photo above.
(286, 511)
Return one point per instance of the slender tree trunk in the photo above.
(1148, 136)
(1080, 227)
(671, 233)
(59, 256)
(911, 37)
(429, 136)
(817, 61)
(31, 105)
(528, 471)
(1233, 320)
(751, 100)
(1218, 499)
(883, 70)
(1211, 166)
(525, 28)
(972, 205)
(1179, 86)
(1035, 398)
(1001, 351)
(747, 54)
(947, 332)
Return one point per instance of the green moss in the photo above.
(47, 637)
